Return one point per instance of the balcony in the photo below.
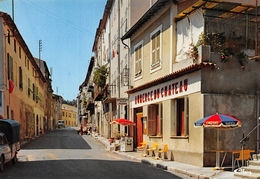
(98, 93)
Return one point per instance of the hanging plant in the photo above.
(215, 40)
(100, 75)
(242, 58)
(193, 52)
(226, 54)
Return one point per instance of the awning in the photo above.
(109, 100)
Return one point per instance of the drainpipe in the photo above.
(257, 123)
(128, 85)
(118, 55)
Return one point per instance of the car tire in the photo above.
(1, 163)
(14, 160)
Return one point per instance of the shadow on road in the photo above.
(63, 138)
(68, 169)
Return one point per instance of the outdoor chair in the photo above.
(163, 152)
(151, 151)
(143, 148)
(247, 157)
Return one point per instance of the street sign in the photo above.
(122, 101)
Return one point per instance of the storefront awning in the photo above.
(109, 100)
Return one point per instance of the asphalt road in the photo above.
(63, 154)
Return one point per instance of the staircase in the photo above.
(252, 171)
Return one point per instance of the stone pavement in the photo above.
(184, 169)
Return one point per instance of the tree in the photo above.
(100, 75)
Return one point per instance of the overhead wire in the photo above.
(54, 16)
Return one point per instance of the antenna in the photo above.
(13, 9)
(40, 48)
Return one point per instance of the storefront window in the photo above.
(155, 120)
(180, 119)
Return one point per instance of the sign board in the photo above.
(122, 101)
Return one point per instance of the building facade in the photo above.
(187, 60)
(178, 61)
(69, 115)
(25, 84)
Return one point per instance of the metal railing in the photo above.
(242, 142)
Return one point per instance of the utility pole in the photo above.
(13, 9)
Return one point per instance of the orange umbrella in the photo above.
(122, 121)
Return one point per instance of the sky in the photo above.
(66, 29)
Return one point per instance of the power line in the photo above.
(54, 16)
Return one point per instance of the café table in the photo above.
(233, 152)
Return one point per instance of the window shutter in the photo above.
(152, 120)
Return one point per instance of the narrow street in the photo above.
(65, 154)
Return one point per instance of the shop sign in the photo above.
(168, 90)
(122, 101)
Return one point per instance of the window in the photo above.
(20, 52)
(156, 48)
(34, 91)
(36, 94)
(155, 120)
(29, 87)
(8, 36)
(28, 64)
(10, 67)
(20, 78)
(138, 59)
(180, 118)
(14, 45)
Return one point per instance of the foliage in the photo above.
(100, 75)
(215, 40)
(71, 103)
(193, 52)
(226, 46)
(226, 54)
(242, 58)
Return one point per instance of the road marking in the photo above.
(30, 157)
(52, 156)
(113, 156)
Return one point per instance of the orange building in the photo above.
(22, 84)
(69, 114)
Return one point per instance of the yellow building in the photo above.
(22, 84)
(69, 114)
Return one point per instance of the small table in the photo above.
(233, 152)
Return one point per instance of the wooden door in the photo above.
(139, 117)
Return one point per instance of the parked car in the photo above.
(61, 123)
(9, 141)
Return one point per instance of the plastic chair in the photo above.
(247, 157)
(163, 152)
(153, 149)
(143, 148)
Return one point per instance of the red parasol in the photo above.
(122, 121)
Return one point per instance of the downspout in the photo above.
(128, 85)
(118, 56)
(257, 123)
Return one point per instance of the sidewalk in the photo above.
(189, 170)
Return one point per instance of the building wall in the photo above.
(144, 36)
(69, 114)
(27, 101)
(226, 88)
